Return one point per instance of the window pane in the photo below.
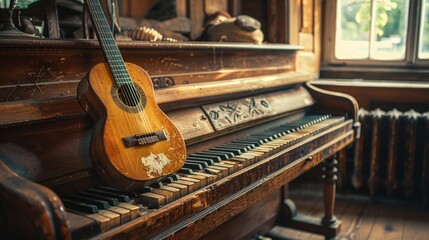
(371, 29)
(424, 31)
(20, 4)
(390, 30)
(353, 27)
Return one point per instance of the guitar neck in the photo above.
(108, 44)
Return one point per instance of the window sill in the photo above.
(371, 84)
(375, 73)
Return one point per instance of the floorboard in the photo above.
(362, 217)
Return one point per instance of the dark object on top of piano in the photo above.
(8, 28)
(249, 129)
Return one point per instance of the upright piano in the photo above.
(251, 122)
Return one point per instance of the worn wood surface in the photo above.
(239, 196)
(196, 14)
(361, 216)
(182, 208)
(375, 73)
(340, 103)
(42, 213)
(213, 6)
(259, 218)
(34, 69)
(277, 21)
(135, 8)
(307, 16)
(59, 138)
(179, 97)
(373, 94)
(328, 225)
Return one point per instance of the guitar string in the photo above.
(129, 87)
(97, 17)
(110, 48)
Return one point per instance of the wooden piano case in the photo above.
(44, 140)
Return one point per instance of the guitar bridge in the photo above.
(144, 139)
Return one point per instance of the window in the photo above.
(377, 32)
(424, 31)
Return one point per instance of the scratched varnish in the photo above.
(362, 217)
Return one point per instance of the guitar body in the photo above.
(121, 166)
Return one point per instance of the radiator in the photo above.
(392, 156)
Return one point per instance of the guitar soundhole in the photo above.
(129, 97)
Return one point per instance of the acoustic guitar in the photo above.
(133, 141)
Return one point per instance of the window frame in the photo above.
(411, 50)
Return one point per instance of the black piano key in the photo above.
(193, 166)
(201, 163)
(146, 189)
(228, 150)
(157, 185)
(185, 170)
(287, 127)
(260, 140)
(271, 132)
(264, 136)
(120, 197)
(296, 126)
(79, 206)
(99, 203)
(254, 143)
(222, 156)
(285, 130)
(212, 157)
(110, 200)
(242, 145)
(208, 161)
(227, 153)
(168, 180)
(114, 190)
(283, 133)
(175, 177)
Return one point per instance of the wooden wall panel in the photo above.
(294, 21)
(305, 30)
(277, 19)
(136, 8)
(375, 94)
(212, 6)
(307, 41)
(181, 8)
(317, 33)
(307, 9)
(196, 15)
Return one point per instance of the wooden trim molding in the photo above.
(370, 93)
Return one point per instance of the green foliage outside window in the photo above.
(356, 18)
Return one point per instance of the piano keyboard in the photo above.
(110, 207)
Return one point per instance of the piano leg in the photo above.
(329, 221)
(329, 225)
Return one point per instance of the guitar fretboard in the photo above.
(108, 44)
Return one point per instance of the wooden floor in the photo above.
(362, 217)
